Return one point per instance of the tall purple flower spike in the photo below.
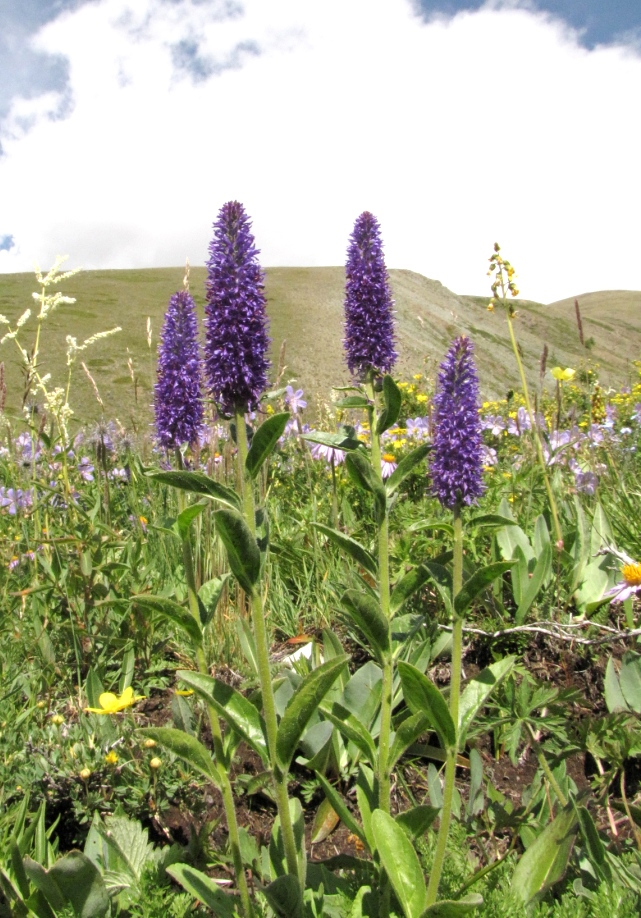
(369, 324)
(236, 319)
(456, 465)
(178, 400)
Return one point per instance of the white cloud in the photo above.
(491, 125)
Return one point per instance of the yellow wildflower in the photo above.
(562, 375)
(155, 762)
(111, 758)
(111, 704)
(85, 774)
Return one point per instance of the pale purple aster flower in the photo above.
(521, 422)
(86, 469)
(636, 416)
(388, 464)
(457, 456)
(294, 400)
(417, 428)
(494, 423)
(610, 416)
(328, 453)
(629, 586)
(236, 316)
(489, 456)
(178, 401)
(369, 324)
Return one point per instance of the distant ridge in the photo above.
(305, 307)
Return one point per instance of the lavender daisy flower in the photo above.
(178, 399)
(236, 319)
(369, 326)
(457, 456)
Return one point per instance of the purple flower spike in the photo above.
(457, 456)
(236, 319)
(178, 401)
(369, 326)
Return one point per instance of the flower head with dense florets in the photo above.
(236, 319)
(369, 324)
(457, 457)
(178, 401)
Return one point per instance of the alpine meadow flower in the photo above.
(178, 400)
(369, 324)
(236, 318)
(457, 456)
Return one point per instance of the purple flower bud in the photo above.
(369, 326)
(236, 319)
(457, 457)
(178, 399)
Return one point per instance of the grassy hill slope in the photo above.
(305, 306)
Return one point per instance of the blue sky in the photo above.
(126, 124)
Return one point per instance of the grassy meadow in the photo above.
(270, 674)
(305, 307)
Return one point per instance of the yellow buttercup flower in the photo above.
(563, 375)
(111, 758)
(111, 704)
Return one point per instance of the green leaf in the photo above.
(362, 474)
(242, 549)
(354, 401)
(203, 888)
(284, 896)
(453, 908)
(393, 401)
(478, 583)
(442, 578)
(405, 466)
(303, 703)
(362, 694)
(422, 696)
(177, 614)
(539, 575)
(614, 699)
(491, 519)
(407, 586)
(594, 846)
(209, 594)
(417, 820)
(407, 733)
(186, 747)
(346, 441)
(198, 483)
(630, 680)
(247, 643)
(241, 715)
(339, 806)
(439, 525)
(546, 859)
(184, 519)
(365, 612)
(351, 547)
(478, 690)
(352, 729)
(264, 441)
(401, 863)
(44, 883)
(181, 715)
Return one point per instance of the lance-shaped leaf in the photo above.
(353, 401)
(442, 578)
(186, 747)
(392, 402)
(478, 583)
(234, 708)
(209, 595)
(184, 519)
(407, 586)
(539, 574)
(417, 820)
(242, 549)
(177, 614)
(352, 729)
(407, 733)
(340, 807)
(422, 696)
(351, 547)
(405, 466)
(73, 879)
(362, 474)
(401, 864)
(302, 705)
(490, 519)
(454, 908)
(264, 441)
(198, 483)
(546, 859)
(478, 690)
(365, 612)
(204, 889)
(346, 440)
(284, 896)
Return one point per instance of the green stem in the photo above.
(216, 732)
(455, 692)
(540, 756)
(294, 867)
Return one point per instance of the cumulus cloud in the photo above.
(493, 124)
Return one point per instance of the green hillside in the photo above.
(306, 310)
